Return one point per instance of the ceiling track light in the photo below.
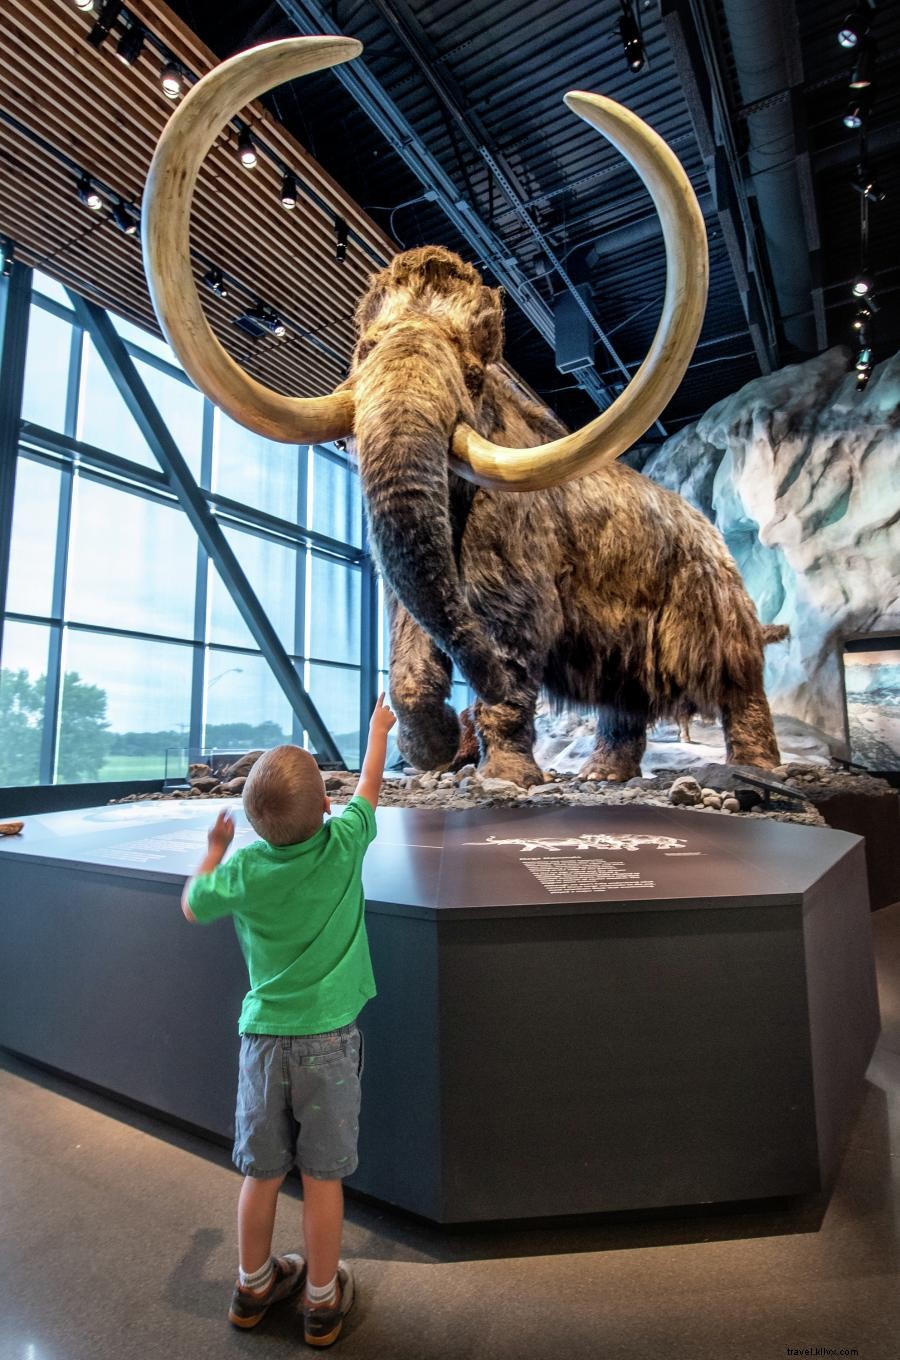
(215, 282)
(7, 255)
(88, 194)
(84, 5)
(864, 358)
(124, 219)
(342, 232)
(856, 114)
(630, 33)
(864, 183)
(864, 70)
(260, 320)
(109, 13)
(862, 378)
(171, 78)
(246, 150)
(289, 191)
(131, 44)
(853, 29)
(863, 314)
(862, 287)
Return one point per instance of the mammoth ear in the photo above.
(487, 328)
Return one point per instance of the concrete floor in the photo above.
(118, 1241)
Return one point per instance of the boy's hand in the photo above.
(372, 771)
(218, 839)
(221, 833)
(382, 719)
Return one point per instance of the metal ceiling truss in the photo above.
(701, 83)
(311, 17)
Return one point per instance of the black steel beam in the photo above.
(368, 685)
(15, 296)
(193, 501)
(708, 114)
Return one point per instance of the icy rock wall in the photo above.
(801, 475)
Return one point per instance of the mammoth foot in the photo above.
(513, 765)
(605, 768)
(428, 738)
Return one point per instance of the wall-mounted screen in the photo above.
(872, 685)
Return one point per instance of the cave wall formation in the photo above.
(801, 475)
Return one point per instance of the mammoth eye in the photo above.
(474, 378)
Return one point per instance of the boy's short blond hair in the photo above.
(284, 796)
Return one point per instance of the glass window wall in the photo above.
(120, 642)
(23, 689)
(34, 528)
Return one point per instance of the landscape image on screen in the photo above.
(872, 682)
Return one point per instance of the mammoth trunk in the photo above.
(402, 438)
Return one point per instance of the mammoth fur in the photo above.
(606, 592)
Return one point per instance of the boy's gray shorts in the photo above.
(298, 1103)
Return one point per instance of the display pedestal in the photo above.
(579, 1010)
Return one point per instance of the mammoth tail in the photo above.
(774, 632)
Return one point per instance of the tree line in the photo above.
(85, 742)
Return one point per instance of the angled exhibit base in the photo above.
(579, 1010)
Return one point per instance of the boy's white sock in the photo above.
(257, 1280)
(319, 1294)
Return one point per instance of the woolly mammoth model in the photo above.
(528, 556)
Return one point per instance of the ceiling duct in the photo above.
(766, 64)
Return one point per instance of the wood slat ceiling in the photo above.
(105, 116)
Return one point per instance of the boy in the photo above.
(297, 902)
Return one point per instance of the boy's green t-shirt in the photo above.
(299, 914)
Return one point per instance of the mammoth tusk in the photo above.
(185, 141)
(687, 274)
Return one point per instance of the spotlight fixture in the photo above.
(171, 78)
(856, 114)
(109, 13)
(342, 232)
(289, 191)
(7, 255)
(862, 377)
(124, 219)
(215, 281)
(88, 194)
(865, 184)
(84, 5)
(853, 29)
(131, 44)
(864, 69)
(630, 34)
(864, 358)
(862, 286)
(863, 315)
(260, 320)
(246, 150)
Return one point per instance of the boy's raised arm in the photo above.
(218, 839)
(372, 772)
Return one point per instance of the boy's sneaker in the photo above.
(247, 1308)
(322, 1326)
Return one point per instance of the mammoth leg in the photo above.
(506, 737)
(427, 727)
(621, 739)
(749, 733)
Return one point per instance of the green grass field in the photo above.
(133, 767)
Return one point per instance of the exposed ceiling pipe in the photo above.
(618, 239)
(760, 45)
